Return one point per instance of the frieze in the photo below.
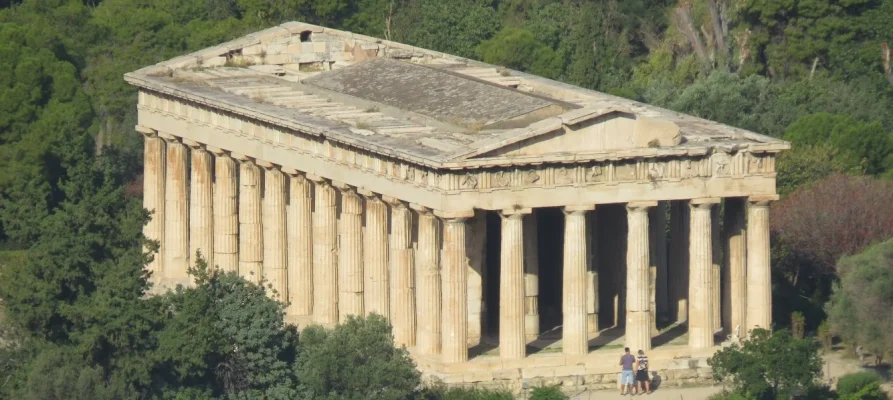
(609, 172)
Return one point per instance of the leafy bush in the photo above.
(860, 385)
(548, 393)
(444, 393)
(355, 360)
(769, 365)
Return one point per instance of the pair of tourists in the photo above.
(628, 381)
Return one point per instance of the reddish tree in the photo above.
(837, 216)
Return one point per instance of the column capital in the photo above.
(585, 207)
(241, 157)
(762, 200)
(317, 179)
(146, 131)
(640, 206)
(704, 203)
(267, 164)
(420, 208)
(454, 216)
(168, 137)
(292, 172)
(368, 194)
(514, 212)
(193, 144)
(217, 151)
(393, 201)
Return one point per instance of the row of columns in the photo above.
(326, 249)
(322, 246)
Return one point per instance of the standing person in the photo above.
(626, 373)
(644, 382)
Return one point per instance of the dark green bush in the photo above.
(861, 384)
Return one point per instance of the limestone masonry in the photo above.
(515, 230)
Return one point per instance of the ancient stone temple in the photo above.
(513, 229)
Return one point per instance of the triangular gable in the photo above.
(585, 131)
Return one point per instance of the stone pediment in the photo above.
(587, 131)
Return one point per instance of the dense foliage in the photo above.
(769, 366)
(860, 306)
(815, 72)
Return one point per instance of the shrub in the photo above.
(857, 383)
(443, 393)
(769, 365)
(548, 393)
(357, 360)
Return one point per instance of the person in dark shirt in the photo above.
(626, 373)
(644, 382)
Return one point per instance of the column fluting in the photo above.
(325, 256)
(759, 278)
(700, 314)
(251, 235)
(512, 343)
(575, 337)
(201, 207)
(226, 212)
(638, 278)
(350, 255)
(428, 295)
(154, 166)
(402, 275)
(300, 245)
(176, 212)
(275, 267)
(531, 278)
(375, 255)
(455, 290)
(657, 226)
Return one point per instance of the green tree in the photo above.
(356, 360)
(859, 308)
(769, 365)
(868, 144)
(805, 164)
(450, 26)
(518, 49)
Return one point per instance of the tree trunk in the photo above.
(719, 39)
(687, 28)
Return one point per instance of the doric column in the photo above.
(154, 166)
(251, 234)
(700, 291)
(716, 285)
(226, 212)
(176, 215)
(592, 306)
(402, 274)
(299, 227)
(638, 277)
(275, 268)
(455, 288)
(375, 255)
(350, 254)
(759, 278)
(428, 295)
(678, 276)
(657, 240)
(325, 265)
(511, 285)
(575, 338)
(531, 279)
(735, 277)
(476, 238)
(201, 208)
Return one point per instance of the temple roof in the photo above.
(427, 107)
